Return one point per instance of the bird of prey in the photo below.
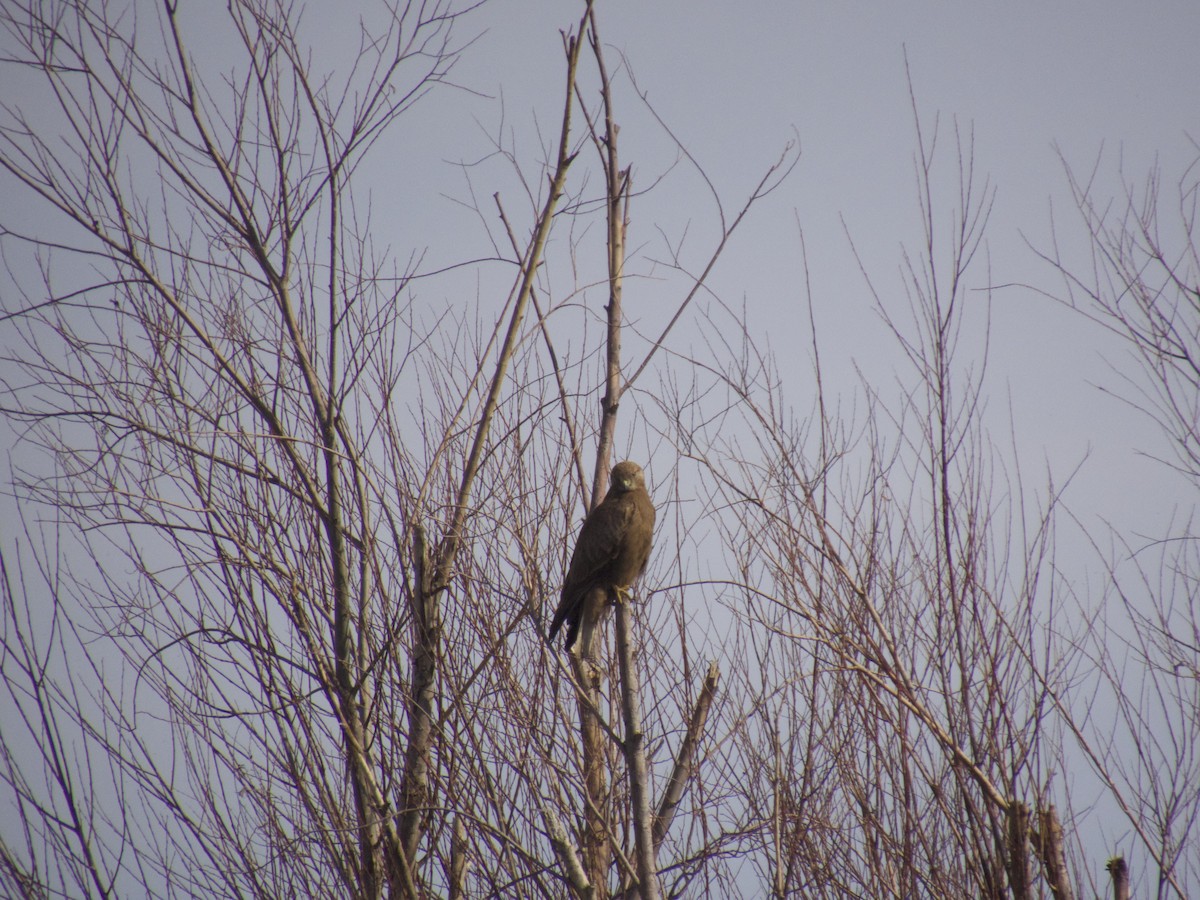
(610, 553)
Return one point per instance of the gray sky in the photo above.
(735, 82)
(1114, 82)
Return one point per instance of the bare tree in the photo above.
(274, 625)
(902, 615)
(222, 414)
(1139, 282)
(311, 529)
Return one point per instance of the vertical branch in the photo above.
(1118, 871)
(426, 637)
(596, 836)
(1048, 843)
(635, 758)
(596, 840)
(617, 188)
(450, 544)
(458, 860)
(1018, 850)
(439, 566)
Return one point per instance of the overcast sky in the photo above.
(1117, 82)
(1112, 85)
(1114, 82)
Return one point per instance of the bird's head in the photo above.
(627, 476)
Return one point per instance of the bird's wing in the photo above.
(597, 546)
(599, 542)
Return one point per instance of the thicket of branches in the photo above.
(290, 526)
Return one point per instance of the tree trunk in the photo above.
(635, 758)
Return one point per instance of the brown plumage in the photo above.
(610, 553)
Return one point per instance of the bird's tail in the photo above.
(586, 628)
(590, 623)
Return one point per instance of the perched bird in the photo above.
(610, 553)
